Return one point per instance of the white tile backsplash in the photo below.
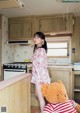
(22, 52)
(18, 53)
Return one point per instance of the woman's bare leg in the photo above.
(40, 97)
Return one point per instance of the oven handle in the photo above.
(11, 70)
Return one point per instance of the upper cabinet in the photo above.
(21, 28)
(0, 21)
(55, 23)
(0, 44)
(27, 29)
(15, 31)
(51, 24)
(69, 22)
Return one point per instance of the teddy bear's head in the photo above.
(54, 92)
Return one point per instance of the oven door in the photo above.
(9, 73)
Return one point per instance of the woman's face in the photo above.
(37, 40)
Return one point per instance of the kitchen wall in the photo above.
(12, 52)
(76, 40)
(75, 43)
(6, 49)
(22, 52)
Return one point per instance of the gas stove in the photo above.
(15, 68)
(16, 65)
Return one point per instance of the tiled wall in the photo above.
(22, 52)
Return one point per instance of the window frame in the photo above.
(60, 40)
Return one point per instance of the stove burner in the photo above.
(16, 65)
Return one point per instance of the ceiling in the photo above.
(42, 7)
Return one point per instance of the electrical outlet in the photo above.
(73, 50)
(3, 109)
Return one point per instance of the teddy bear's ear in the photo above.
(44, 89)
(60, 82)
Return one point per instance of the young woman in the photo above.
(39, 66)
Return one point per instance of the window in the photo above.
(58, 48)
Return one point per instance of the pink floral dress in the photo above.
(39, 67)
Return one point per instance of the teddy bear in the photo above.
(58, 101)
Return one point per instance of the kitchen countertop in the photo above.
(29, 65)
(6, 83)
(56, 65)
(61, 66)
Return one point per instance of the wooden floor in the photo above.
(35, 110)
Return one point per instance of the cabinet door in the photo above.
(0, 59)
(66, 76)
(52, 24)
(15, 31)
(69, 23)
(77, 86)
(34, 100)
(21, 28)
(27, 29)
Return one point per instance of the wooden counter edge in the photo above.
(13, 80)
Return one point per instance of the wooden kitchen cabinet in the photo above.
(55, 23)
(0, 45)
(77, 86)
(34, 100)
(66, 76)
(15, 31)
(51, 24)
(0, 22)
(15, 94)
(69, 22)
(21, 28)
(63, 74)
(27, 29)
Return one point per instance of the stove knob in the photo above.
(18, 67)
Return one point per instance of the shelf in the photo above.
(77, 72)
(77, 89)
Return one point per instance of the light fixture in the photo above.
(69, 1)
(11, 4)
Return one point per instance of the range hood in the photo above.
(11, 4)
(28, 42)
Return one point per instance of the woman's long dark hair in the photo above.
(42, 36)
